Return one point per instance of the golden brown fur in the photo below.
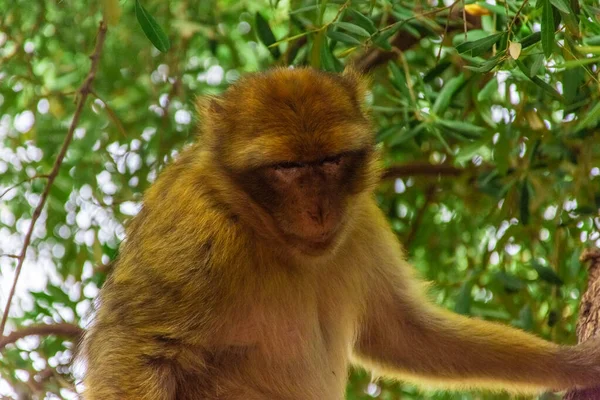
(260, 266)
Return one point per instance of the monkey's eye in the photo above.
(288, 165)
(332, 160)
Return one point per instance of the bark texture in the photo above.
(589, 317)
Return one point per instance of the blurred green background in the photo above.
(487, 113)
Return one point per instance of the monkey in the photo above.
(261, 267)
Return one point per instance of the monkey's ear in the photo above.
(211, 114)
(209, 107)
(356, 82)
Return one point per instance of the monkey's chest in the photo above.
(295, 350)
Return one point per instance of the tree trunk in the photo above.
(589, 317)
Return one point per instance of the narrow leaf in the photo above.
(548, 89)
(546, 273)
(591, 118)
(443, 100)
(327, 61)
(510, 282)
(480, 46)
(303, 9)
(342, 37)
(436, 71)
(399, 81)
(486, 66)
(362, 20)
(562, 5)
(578, 63)
(388, 131)
(357, 30)
(151, 29)
(466, 129)
(405, 137)
(265, 34)
(531, 39)
(382, 40)
(547, 28)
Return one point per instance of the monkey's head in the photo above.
(298, 145)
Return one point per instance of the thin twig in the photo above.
(112, 115)
(446, 31)
(421, 169)
(61, 329)
(22, 182)
(84, 91)
(464, 13)
(409, 84)
(515, 18)
(417, 16)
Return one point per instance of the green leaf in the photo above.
(303, 9)
(265, 34)
(436, 71)
(405, 137)
(578, 63)
(562, 5)
(357, 30)
(524, 203)
(480, 46)
(487, 66)
(342, 37)
(510, 282)
(548, 89)
(590, 119)
(151, 29)
(546, 273)
(381, 40)
(466, 129)
(464, 300)
(531, 39)
(327, 58)
(362, 20)
(387, 132)
(399, 81)
(445, 96)
(536, 64)
(547, 28)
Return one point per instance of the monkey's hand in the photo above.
(581, 364)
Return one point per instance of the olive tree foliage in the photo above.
(487, 114)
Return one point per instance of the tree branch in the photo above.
(22, 182)
(402, 41)
(70, 331)
(588, 325)
(423, 169)
(84, 91)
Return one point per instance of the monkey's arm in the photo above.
(403, 334)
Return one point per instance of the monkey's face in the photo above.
(299, 146)
(308, 200)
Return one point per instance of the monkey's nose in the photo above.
(318, 215)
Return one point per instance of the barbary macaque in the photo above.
(260, 268)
